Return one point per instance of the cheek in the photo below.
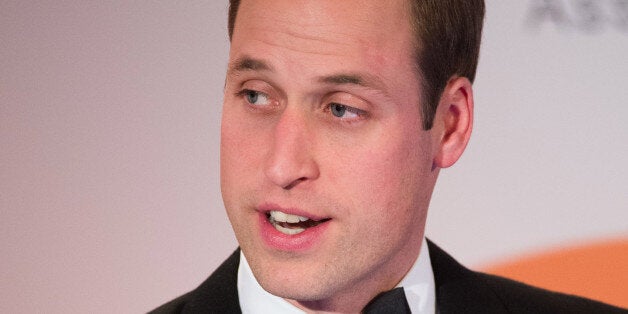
(229, 148)
(242, 139)
(240, 151)
(388, 178)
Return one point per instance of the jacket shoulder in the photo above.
(173, 306)
(217, 294)
(522, 298)
(460, 290)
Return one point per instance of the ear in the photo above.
(453, 121)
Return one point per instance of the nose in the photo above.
(290, 161)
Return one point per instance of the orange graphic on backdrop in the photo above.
(598, 271)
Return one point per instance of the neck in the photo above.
(354, 299)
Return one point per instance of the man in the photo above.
(337, 118)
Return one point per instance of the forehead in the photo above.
(312, 36)
(346, 17)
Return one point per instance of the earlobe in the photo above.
(454, 121)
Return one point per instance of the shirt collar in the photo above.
(418, 285)
(254, 299)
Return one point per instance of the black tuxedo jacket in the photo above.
(458, 290)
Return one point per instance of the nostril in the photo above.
(294, 183)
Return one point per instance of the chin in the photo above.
(296, 286)
(300, 294)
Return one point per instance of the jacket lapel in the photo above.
(219, 293)
(458, 289)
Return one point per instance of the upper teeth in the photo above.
(283, 217)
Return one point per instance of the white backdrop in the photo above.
(109, 131)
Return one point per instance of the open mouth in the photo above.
(291, 224)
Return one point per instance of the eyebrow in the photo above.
(341, 79)
(246, 63)
(360, 79)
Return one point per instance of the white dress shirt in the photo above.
(418, 285)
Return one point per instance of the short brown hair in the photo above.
(448, 35)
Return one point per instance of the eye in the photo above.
(345, 112)
(255, 98)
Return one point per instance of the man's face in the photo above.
(321, 121)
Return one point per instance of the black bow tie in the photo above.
(393, 301)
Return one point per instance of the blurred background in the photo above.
(109, 137)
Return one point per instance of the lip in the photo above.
(294, 243)
(267, 207)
